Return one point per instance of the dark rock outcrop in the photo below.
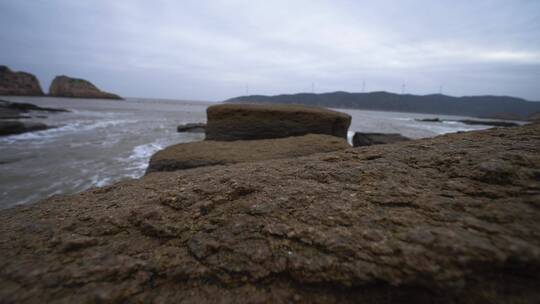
(192, 128)
(63, 86)
(494, 123)
(18, 83)
(211, 153)
(19, 110)
(247, 121)
(452, 219)
(10, 127)
(436, 119)
(368, 139)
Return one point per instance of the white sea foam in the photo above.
(137, 162)
(70, 128)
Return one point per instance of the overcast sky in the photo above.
(213, 50)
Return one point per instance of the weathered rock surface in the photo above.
(228, 122)
(192, 128)
(211, 153)
(18, 83)
(453, 219)
(10, 127)
(63, 86)
(368, 139)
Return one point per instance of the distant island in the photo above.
(500, 107)
(64, 86)
(18, 83)
(26, 84)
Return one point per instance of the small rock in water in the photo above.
(192, 128)
(368, 139)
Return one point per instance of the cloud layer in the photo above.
(213, 50)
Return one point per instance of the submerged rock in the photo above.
(18, 83)
(211, 153)
(228, 122)
(495, 123)
(417, 222)
(367, 139)
(10, 127)
(192, 128)
(436, 119)
(18, 110)
(63, 86)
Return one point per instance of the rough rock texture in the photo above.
(248, 121)
(18, 83)
(10, 127)
(63, 86)
(453, 219)
(368, 139)
(192, 128)
(211, 153)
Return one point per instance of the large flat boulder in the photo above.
(64, 86)
(18, 83)
(453, 219)
(211, 153)
(249, 121)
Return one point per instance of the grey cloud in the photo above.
(210, 50)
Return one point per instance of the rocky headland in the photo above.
(64, 86)
(18, 83)
(451, 219)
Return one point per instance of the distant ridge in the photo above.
(501, 107)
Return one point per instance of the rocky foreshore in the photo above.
(452, 219)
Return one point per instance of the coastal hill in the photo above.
(18, 83)
(501, 107)
(64, 86)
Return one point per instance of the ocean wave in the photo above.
(137, 161)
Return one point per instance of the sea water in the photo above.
(100, 142)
